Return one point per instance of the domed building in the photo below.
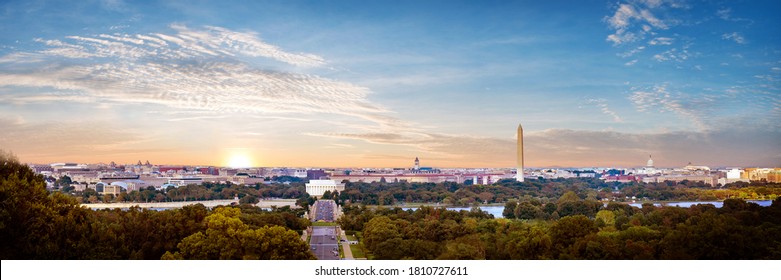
(649, 168)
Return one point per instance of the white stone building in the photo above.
(318, 187)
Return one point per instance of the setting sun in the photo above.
(239, 161)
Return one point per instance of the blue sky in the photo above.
(351, 83)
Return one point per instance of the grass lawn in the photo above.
(352, 238)
(357, 251)
(323, 224)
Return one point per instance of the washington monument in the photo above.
(519, 175)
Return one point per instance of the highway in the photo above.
(324, 210)
(324, 242)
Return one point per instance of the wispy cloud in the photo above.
(640, 25)
(674, 54)
(21, 57)
(661, 41)
(195, 118)
(659, 99)
(726, 14)
(746, 106)
(632, 52)
(516, 40)
(113, 5)
(601, 103)
(340, 146)
(195, 69)
(209, 42)
(620, 22)
(632, 21)
(734, 36)
(118, 27)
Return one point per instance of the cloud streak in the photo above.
(601, 103)
(735, 37)
(209, 42)
(661, 100)
(193, 69)
(674, 55)
(753, 106)
(661, 41)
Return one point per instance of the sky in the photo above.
(378, 83)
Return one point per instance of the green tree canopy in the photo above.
(569, 196)
(227, 237)
(28, 214)
(569, 229)
(377, 230)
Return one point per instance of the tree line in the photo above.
(451, 193)
(204, 191)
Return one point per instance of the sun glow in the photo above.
(239, 161)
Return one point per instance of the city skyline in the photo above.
(246, 166)
(346, 84)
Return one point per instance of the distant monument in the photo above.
(519, 175)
